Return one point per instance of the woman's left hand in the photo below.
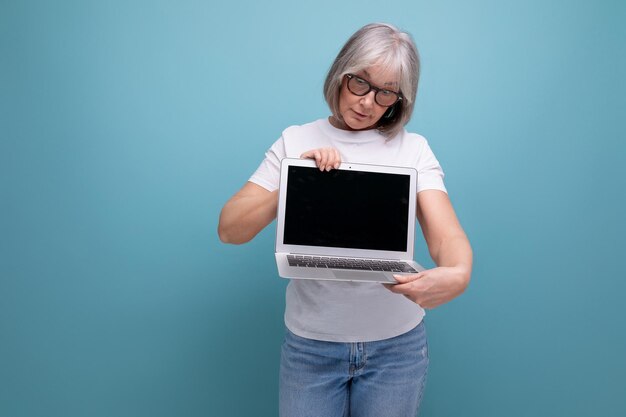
(325, 158)
(432, 287)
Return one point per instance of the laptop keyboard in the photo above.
(346, 263)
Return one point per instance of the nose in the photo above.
(368, 99)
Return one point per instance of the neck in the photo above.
(340, 124)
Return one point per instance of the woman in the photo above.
(338, 357)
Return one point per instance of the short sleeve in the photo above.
(267, 174)
(429, 172)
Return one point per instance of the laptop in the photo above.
(354, 223)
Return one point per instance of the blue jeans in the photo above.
(328, 379)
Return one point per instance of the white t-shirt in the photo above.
(348, 311)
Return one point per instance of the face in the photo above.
(362, 112)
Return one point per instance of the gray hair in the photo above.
(378, 44)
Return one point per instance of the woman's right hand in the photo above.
(325, 158)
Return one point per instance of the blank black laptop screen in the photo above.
(347, 209)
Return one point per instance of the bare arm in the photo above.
(247, 213)
(446, 240)
(448, 246)
(253, 207)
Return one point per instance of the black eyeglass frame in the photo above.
(376, 89)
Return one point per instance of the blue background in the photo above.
(125, 126)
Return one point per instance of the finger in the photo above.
(406, 277)
(315, 154)
(324, 159)
(312, 154)
(399, 288)
(407, 291)
(337, 158)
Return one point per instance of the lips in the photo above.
(360, 115)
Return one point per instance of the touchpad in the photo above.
(363, 276)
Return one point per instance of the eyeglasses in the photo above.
(360, 87)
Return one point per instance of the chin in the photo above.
(359, 125)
